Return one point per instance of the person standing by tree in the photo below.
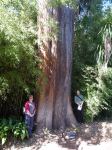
(79, 100)
(29, 114)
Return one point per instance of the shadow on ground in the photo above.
(93, 133)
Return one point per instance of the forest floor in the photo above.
(94, 136)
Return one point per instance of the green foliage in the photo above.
(106, 93)
(89, 71)
(20, 131)
(12, 128)
(99, 104)
(19, 69)
(69, 3)
(4, 129)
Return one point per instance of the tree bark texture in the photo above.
(55, 47)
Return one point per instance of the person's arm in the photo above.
(34, 111)
(77, 101)
(81, 103)
(29, 113)
(33, 114)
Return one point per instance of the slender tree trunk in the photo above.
(55, 45)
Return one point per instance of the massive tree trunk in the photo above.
(55, 46)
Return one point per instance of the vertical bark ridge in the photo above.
(54, 108)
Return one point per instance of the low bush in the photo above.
(12, 128)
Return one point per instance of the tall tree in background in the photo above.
(55, 36)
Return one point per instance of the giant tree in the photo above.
(55, 37)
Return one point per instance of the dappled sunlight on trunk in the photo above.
(54, 106)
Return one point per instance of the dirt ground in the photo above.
(94, 136)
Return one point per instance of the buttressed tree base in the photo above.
(54, 106)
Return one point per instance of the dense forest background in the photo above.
(92, 61)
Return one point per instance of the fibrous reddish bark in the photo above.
(54, 107)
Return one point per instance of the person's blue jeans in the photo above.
(29, 121)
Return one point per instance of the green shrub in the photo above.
(14, 128)
(19, 69)
(4, 131)
(105, 94)
(20, 131)
(99, 94)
